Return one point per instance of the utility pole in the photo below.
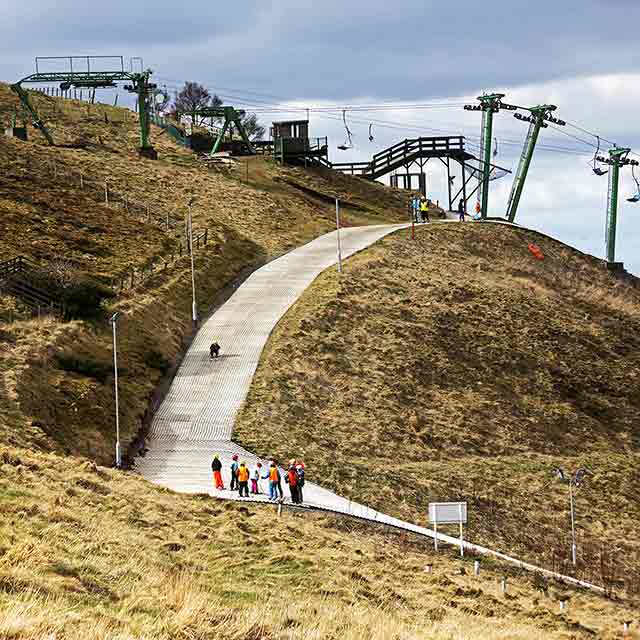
(143, 90)
(194, 310)
(538, 119)
(489, 104)
(114, 319)
(618, 157)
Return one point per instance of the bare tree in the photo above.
(254, 129)
(193, 97)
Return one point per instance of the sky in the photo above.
(581, 56)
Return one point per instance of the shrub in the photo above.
(84, 366)
(83, 301)
(155, 360)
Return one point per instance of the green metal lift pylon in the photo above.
(618, 157)
(538, 120)
(231, 117)
(489, 104)
(91, 80)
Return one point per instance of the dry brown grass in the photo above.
(457, 366)
(87, 552)
(44, 216)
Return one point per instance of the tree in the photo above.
(193, 97)
(254, 129)
(161, 99)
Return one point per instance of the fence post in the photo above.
(81, 180)
(106, 193)
(206, 233)
(167, 222)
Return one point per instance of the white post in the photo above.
(338, 231)
(193, 277)
(573, 523)
(461, 540)
(503, 585)
(476, 567)
(114, 319)
(435, 527)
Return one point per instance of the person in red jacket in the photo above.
(292, 480)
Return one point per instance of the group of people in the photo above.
(419, 207)
(242, 476)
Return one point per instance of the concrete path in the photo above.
(196, 418)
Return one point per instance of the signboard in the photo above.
(448, 512)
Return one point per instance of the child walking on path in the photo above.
(255, 477)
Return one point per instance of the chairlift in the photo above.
(495, 147)
(596, 169)
(371, 132)
(636, 196)
(348, 142)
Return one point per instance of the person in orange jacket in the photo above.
(216, 467)
(274, 479)
(243, 480)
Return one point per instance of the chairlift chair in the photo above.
(596, 169)
(371, 132)
(348, 143)
(636, 196)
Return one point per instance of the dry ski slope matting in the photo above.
(197, 416)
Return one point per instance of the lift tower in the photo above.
(538, 119)
(489, 104)
(81, 72)
(618, 157)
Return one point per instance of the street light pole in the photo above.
(573, 480)
(573, 523)
(338, 231)
(194, 311)
(114, 319)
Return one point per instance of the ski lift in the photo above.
(348, 142)
(597, 170)
(636, 196)
(495, 147)
(371, 132)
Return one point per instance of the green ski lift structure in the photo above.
(538, 119)
(618, 158)
(91, 78)
(232, 117)
(489, 105)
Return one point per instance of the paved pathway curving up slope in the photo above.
(197, 416)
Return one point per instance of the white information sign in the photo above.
(448, 513)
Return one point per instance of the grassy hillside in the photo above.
(55, 380)
(90, 552)
(458, 366)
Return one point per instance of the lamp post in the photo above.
(573, 480)
(338, 232)
(194, 310)
(114, 319)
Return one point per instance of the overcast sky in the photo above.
(582, 56)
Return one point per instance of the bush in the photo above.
(155, 360)
(83, 301)
(85, 366)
